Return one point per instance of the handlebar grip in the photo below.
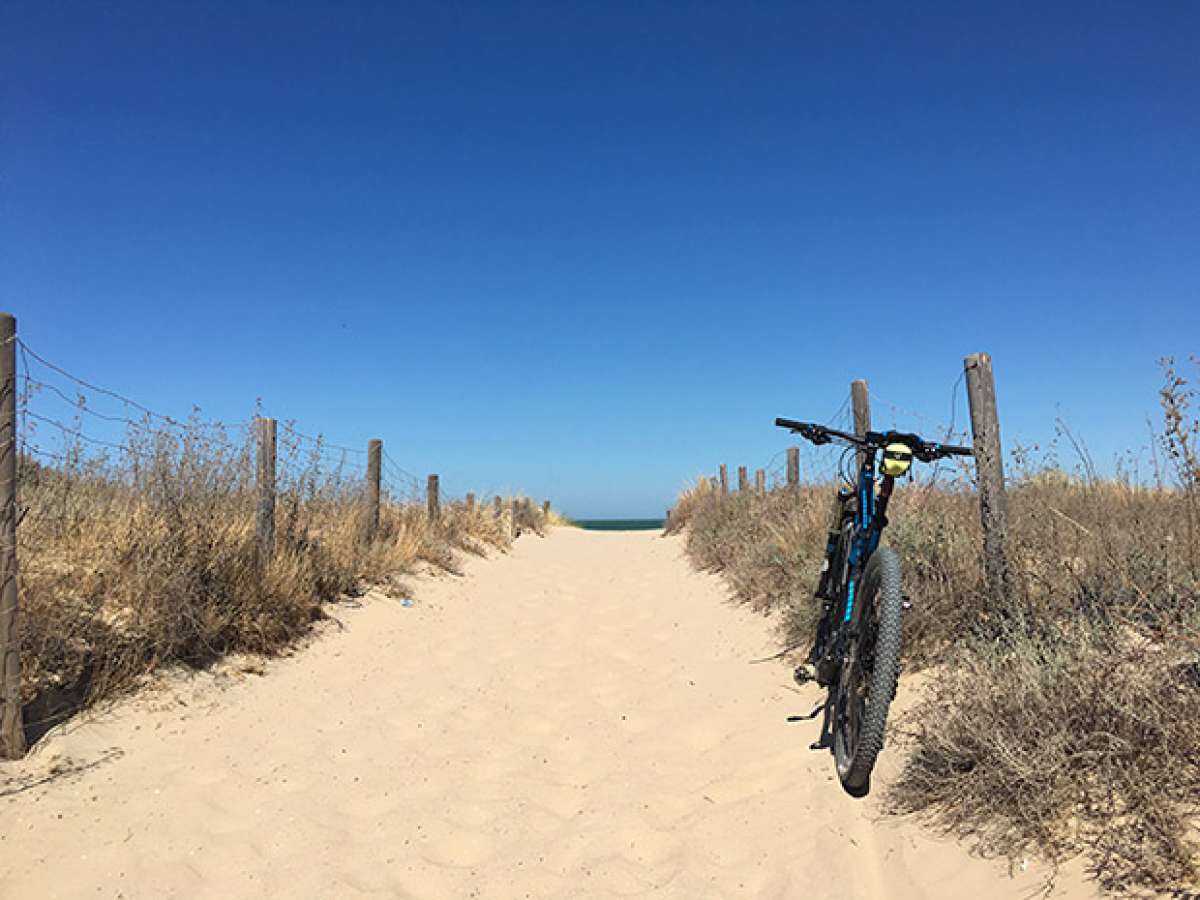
(951, 450)
(789, 423)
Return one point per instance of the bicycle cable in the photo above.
(845, 472)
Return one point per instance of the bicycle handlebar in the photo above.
(819, 434)
(926, 451)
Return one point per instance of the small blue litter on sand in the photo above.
(407, 601)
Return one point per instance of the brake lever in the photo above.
(815, 437)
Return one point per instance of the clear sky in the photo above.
(591, 250)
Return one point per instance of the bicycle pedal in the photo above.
(804, 674)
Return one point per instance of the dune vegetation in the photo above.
(1064, 721)
(148, 558)
(555, 519)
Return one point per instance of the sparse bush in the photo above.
(1061, 737)
(151, 559)
(768, 546)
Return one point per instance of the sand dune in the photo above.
(576, 719)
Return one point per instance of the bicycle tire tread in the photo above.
(885, 566)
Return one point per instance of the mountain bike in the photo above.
(856, 652)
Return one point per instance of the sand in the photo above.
(579, 718)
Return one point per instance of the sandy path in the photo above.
(576, 719)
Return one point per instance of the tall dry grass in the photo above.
(555, 519)
(149, 559)
(1063, 721)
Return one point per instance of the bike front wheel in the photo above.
(867, 682)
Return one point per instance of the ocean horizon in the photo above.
(620, 524)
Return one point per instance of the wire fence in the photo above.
(817, 465)
(75, 426)
(831, 463)
(75, 436)
(130, 538)
(953, 429)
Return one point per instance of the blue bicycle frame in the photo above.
(868, 526)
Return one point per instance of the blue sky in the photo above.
(591, 250)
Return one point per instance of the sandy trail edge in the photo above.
(576, 719)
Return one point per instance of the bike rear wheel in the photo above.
(867, 682)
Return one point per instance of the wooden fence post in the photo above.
(724, 480)
(989, 467)
(515, 505)
(470, 503)
(546, 509)
(12, 726)
(374, 475)
(265, 522)
(793, 467)
(760, 481)
(860, 400)
(498, 504)
(432, 500)
(743, 480)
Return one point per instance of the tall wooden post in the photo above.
(374, 476)
(265, 520)
(860, 400)
(724, 480)
(760, 481)
(12, 727)
(793, 467)
(515, 507)
(498, 504)
(743, 480)
(470, 503)
(989, 466)
(432, 500)
(545, 509)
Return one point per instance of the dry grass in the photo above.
(555, 519)
(128, 567)
(1065, 721)
(1060, 738)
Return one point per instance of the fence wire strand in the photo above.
(831, 463)
(932, 428)
(59, 403)
(27, 351)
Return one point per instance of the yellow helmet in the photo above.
(896, 459)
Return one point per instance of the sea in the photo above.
(620, 524)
